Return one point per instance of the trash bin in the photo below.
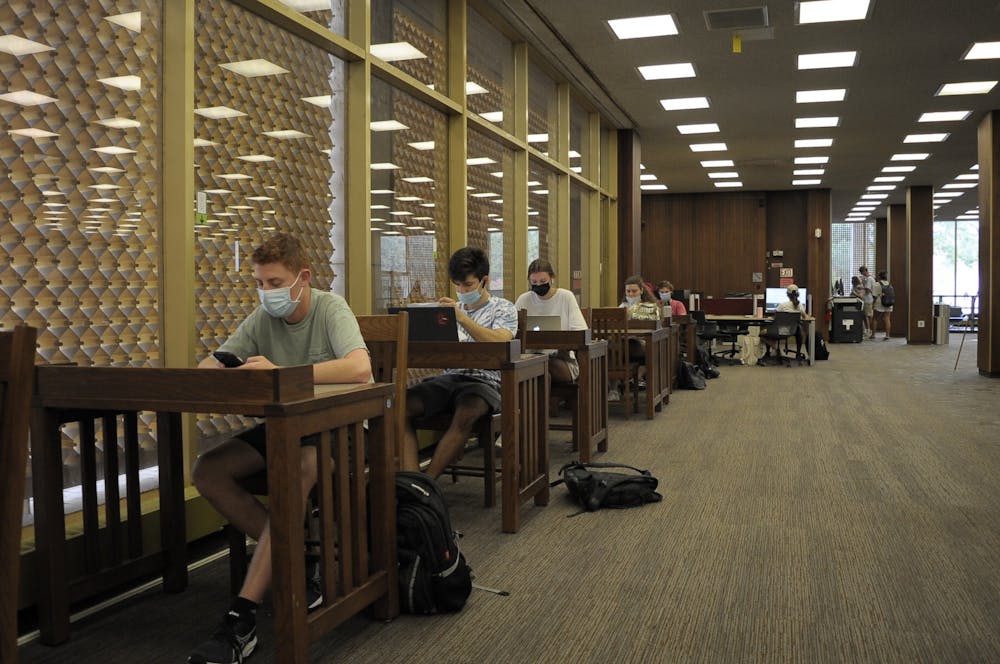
(942, 321)
(848, 321)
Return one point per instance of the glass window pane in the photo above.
(331, 14)
(269, 155)
(578, 139)
(944, 262)
(851, 246)
(409, 199)
(543, 237)
(543, 108)
(490, 81)
(966, 263)
(491, 209)
(413, 35)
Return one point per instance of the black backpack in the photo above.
(595, 489)
(888, 295)
(433, 574)
(821, 352)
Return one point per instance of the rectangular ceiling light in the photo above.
(661, 72)
(492, 116)
(966, 88)
(813, 142)
(828, 60)
(983, 51)
(809, 171)
(653, 187)
(396, 51)
(323, 101)
(812, 123)
(28, 98)
(830, 11)
(419, 179)
(114, 149)
(122, 82)
(473, 88)
(723, 174)
(925, 138)
(949, 194)
(875, 197)
(18, 46)
(647, 176)
(708, 147)
(387, 125)
(677, 104)
(805, 182)
(706, 128)
(967, 176)
(422, 145)
(909, 156)
(881, 187)
(119, 123)
(218, 112)
(254, 68)
(256, 158)
(899, 169)
(286, 134)
(384, 166)
(818, 96)
(728, 183)
(718, 163)
(639, 27)
(32, 132)
(945, 116)
(960, 185)
(538, 138)
(811, 160)
(479, 161)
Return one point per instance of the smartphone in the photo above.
(227, 358)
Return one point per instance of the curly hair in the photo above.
(281, 248)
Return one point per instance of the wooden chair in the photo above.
(17, 363)
(387, 338)
(611, 325)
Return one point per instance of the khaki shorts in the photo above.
(869, 310)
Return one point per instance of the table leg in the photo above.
(510, 473)
(584, 417)
(651, 372)
(812, 341)
(173, 530)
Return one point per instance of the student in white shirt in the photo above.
(545, 299)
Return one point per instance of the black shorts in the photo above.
(257, 439)
(439, 393)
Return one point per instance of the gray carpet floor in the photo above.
(848, 512)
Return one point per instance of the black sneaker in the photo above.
(232, 642)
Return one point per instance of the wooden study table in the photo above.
(524, 411)
(762, 321)
(592, 395)
(292, 408)
(657, 362)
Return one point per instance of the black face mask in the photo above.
(541, 290)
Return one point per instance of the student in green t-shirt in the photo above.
(294, 324)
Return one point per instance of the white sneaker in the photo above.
(613, 395)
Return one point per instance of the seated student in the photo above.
(792, 305)
(545, 299)
(636, 292)
(468, 393)
(666, 291)
(294, 324)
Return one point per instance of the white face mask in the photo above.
(278, 302)
(471, 297)
(633, 300)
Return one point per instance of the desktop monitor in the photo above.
(775, 296)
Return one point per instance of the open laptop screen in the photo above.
(433, 323)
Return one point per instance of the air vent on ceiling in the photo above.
(736, 19)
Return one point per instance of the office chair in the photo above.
(785, 325)
(707, 330)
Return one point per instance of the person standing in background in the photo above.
(883, 313)
(868, 283)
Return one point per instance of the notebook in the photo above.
(430, 323)
(547, 323)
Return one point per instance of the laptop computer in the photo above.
(430, 323)
(547, 323)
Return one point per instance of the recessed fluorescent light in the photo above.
(875, 197)
(967, 176)
(909, 156)
(129, 20)
(966, 88)
(723, 174)
(706, 128)
(643, 26)
(949, 194)
(32, 132)
(400, 213)
(945, 116)
(804, 182)
(881, 187)
(27, 98)
(396, 51)
(323, 101)
(219, 112)
(484, 194)
(817, 96)
(538, 138)
(647, 176)
(387, 125)
(829, 11)
(106, 169)
(653, 187)
(492, 116)
(661, 72)
(708, 147)
(828, 60)
(259, 198)
(418, 179)
(254, 68)
(256, 158)
(718, 163)
(809, 171)
(18, 46)
(114, 149)
(234, 176)
(810, 123)
(925, 138)
(122, 82)
(202, 143)
(573, 154)
(811, 160)
(473, 88)
(119, 123)
(983, 51)
(813, 142)
(479, 161)
(286, 134)
(384, 166)
(890, 178)
(960, 185)
(899, 169)
(728, 183)
(422, 145)
(679, 103)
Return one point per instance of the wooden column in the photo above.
(881, 246)
(920, 264)
(629, 204)
(818, 252)
(988, 359)
(897, 251)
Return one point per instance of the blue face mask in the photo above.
(278, 302)
(632, 300)
(470, 298)
(665, 296)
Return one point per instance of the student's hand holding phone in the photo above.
(259, 362)
(227, 359)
